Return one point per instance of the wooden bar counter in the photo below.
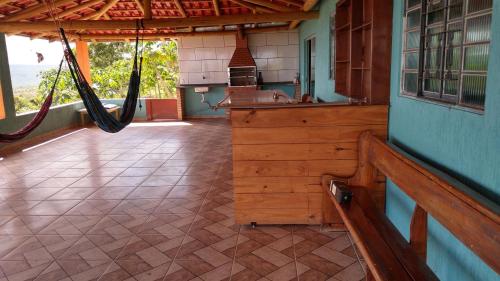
(281, 151)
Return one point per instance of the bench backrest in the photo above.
(472, 218)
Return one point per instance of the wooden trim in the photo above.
(418, 232)
(47, 26)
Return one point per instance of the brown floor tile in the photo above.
(152, 203)
(93, 207)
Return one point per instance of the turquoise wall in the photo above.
(288, 89)
(320, 29)
(194, 107)
(464, 143)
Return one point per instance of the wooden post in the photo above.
(82, 56)
(180, 103)
(418, 232)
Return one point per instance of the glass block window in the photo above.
(446, 50)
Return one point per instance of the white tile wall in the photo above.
(204, 60)
(276, 55)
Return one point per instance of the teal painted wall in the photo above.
(320, 29)
(194, 107)
(463, 143)
(286, 88)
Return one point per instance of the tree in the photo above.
(111, 65)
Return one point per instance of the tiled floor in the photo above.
(153, 202)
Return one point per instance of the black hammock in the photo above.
(37, 120)
(96, 110)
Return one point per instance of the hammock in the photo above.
(96, 110)
(37, 120)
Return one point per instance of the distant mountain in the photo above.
(27, 76)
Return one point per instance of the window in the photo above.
(332, 45)
(446, 50)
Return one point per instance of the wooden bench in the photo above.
(470, 217)
(83, 113)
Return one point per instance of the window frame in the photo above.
(333, 44)
(442, 97)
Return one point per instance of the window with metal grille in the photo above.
(446, 50)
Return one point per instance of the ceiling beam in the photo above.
(78, 8)
(100, 12)
(216, 7)
(293, 3)
(254, 8)
(180, 9)
(271, 5)
(35, 10)
(163, 36)
(3, 2)
(308, 5)
(140, 5)
(46, 26)
(148, 14)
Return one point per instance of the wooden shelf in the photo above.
(355, 49)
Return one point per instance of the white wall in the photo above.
(204, 60)
(276, 55)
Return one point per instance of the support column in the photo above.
(180, 103)
(82, 56)
(7, 107)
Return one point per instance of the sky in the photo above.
(22, 50)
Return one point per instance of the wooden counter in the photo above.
(279, 155)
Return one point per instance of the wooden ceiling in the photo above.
(112, 20)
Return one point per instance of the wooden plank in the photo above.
(270, 5)
(418, 232)
(276, 184)
(48, 26)
(295, 151)
(293, 168)
(270, 168)
(310, 116)
(409, 260)
(148, 14)
(271, 201)
(273, 216)
(283, 135)
(383, 264)
(434, 196)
